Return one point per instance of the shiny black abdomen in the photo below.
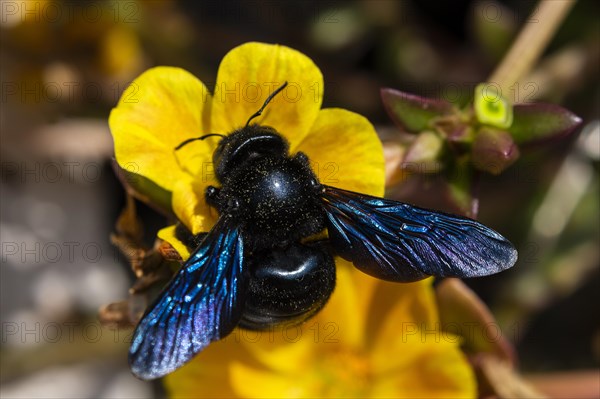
(288, 285)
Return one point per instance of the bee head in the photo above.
(244, 144)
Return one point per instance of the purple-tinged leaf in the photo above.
(412, 113)
(454, 130)
(493, 150)
(540, 122)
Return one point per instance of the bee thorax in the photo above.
(276, 200)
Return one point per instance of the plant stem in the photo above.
(533, 39)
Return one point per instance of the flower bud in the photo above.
(491, 108)
(493, 150)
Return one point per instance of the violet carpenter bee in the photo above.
(255, 269)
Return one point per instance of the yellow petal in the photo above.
(343, 318)
(340, 323)
(194, 381)
(250, 382)
(168, 234)
(345, 152)
(411, 327)
(160, 109)
(284, 350)
(249, 73)
(402, 313)
(189, 203)
(435, 370)
(208, 374)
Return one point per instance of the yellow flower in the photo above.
(356, 346)
(165, 106)
(372, 339)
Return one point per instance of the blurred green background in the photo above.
(64, 65)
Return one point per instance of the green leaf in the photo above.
(426, 147)
(412, 113)
(540, 122)
(454, 130)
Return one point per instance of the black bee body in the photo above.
(257, 268)
(275, 199)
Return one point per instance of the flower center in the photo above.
(345, 372)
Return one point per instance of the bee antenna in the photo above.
(267, 101)
(186, 142)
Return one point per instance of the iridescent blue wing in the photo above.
(394, 241)
(201, 304)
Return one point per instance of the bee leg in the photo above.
(213, 197)
(191, 241)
